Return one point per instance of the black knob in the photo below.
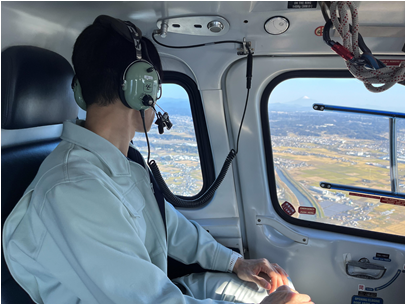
(148, 100)
(151, 69)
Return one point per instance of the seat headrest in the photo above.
(35, 88)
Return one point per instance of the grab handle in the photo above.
(286, 231)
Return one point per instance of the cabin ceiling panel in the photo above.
(55, 25)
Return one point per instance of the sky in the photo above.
(174, 91)
(341, 92)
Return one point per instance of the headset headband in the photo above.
(141, 82)
(125, 28)
(136, 36)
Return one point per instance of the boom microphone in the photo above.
(163, 121)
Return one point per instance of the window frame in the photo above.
(270, 160)
(200, 129)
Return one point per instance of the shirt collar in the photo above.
(102, 148)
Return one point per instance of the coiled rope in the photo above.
(364, 67)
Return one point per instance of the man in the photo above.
(89, 230)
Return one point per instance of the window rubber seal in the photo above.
(200, 128)
(270, 162)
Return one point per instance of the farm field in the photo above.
(339, 159)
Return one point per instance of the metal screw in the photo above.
(258, 220)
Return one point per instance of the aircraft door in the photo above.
(337, 246)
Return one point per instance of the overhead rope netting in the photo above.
(364, 67)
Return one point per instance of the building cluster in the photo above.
(291, 140)
(378, 165)
(177, 148)
(341, 209)
(288, 163)
(356, 213)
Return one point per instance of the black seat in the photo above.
(35, 91)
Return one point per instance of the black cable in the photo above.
(204, 198)
(208, 194)
(228, 42)
(249, 69)
(175, 47)
(241, 122)
(196, 46)
(145, 132)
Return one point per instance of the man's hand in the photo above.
(284, 295)
(249, 270)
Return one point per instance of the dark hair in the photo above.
(100, 56)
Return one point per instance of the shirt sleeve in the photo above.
(189, 243)
(99, 240)
(232, 262)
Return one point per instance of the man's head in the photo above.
(100, 57)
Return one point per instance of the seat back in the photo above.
(35, 92)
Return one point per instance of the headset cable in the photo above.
(208, 194)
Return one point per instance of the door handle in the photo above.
(364, 270)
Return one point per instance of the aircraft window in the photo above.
(175, 151)
(342, 148)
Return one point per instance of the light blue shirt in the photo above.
(88, 230)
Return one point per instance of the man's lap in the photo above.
(221, 286)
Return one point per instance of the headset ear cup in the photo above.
(77, 90)
(122, 90)
(139, 85)
(151, 53)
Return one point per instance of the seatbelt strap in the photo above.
(135, 155)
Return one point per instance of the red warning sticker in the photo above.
(391, 62)
(319, 31)
(392, 201)
(307, 210)
(288, 208)
(382, 199)
(363, 195)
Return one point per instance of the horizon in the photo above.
(350, 93)
(340, 92)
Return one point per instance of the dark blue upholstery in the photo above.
(35, 91)
(19, 165)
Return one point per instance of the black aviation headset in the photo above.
(141, 82)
